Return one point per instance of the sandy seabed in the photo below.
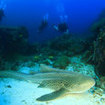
(15, 92)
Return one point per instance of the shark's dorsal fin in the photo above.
(45, 68)
(53, 95)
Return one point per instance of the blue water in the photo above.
(80, 15)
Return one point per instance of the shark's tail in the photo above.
(13, 74)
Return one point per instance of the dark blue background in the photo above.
(29, 13)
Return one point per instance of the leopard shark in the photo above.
(62, 82)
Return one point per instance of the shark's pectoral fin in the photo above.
(53, 95)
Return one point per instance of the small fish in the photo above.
(61, 81)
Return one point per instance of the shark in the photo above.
(62, 82)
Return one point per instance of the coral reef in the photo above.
(96, 53)
(14, 42)
(101, 83)
(99, 23)
(99, 53)
(96, 27)
(67, 44)
(61, 62)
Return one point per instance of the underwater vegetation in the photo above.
(61, 62)
(67, 44)
(96, 50)
(101, 83)
(14, 41)
(96, 53)
(96, 27)
(99, 52)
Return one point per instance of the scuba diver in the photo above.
(2, 8)
(1, 14)
(62, 27)
(43, 24)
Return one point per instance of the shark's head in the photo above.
(83, 84)
(87, 84)
(77, 83)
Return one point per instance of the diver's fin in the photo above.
(53, 95)
(45, 68)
